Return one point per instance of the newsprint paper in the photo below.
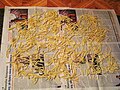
(103, 82)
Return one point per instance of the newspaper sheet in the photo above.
(104, 82)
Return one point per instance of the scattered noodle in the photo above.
(51, 42)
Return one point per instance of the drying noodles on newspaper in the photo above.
(59, 47)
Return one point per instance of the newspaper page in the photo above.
(103, 82)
